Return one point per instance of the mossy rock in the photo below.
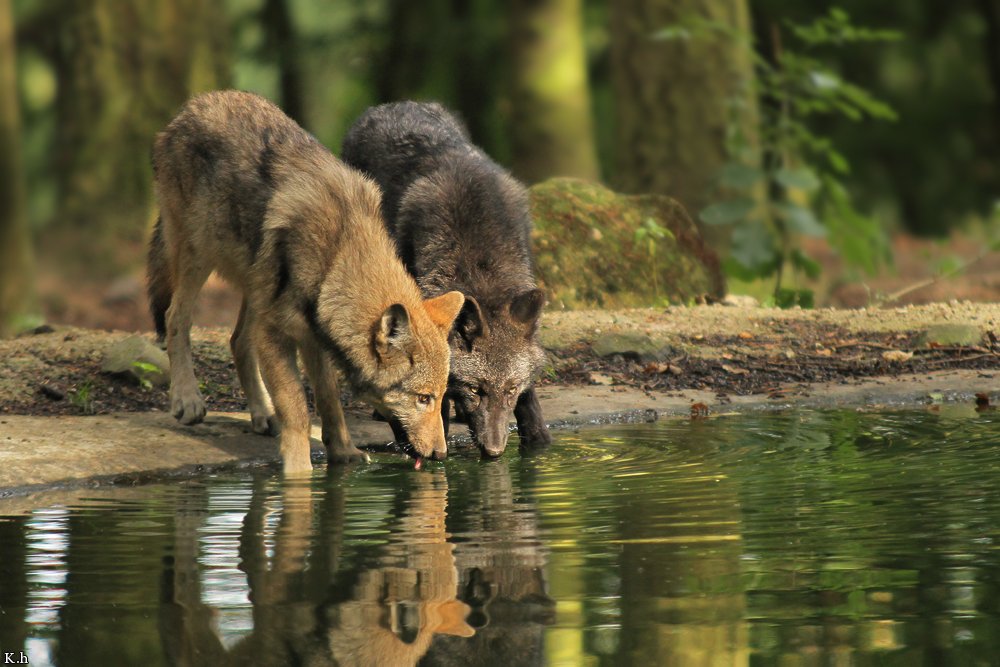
(959, 335)
(586, 254)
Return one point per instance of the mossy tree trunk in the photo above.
(124, 68)
(551, 126)
(673, 98)
(17, 275)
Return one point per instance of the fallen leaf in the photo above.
(745, 334)
(824, 352)
(655, 368)
(732, 369)
(932, 344)
(699, 410)
(896, 356)
(674, 370)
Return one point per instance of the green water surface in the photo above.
(828, 539)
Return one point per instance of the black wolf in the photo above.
(460, 222)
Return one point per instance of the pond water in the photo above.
(815, 538)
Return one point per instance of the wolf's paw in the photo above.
(535, 438)
(344, 456)
(266, 424)
(188, 407)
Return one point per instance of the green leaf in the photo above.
(785, 298)
(753, 245)
(671, 33)
(801, 220)
(788, 297)
(838, 162)
(802, 178)
(734, 269)
(739, 176)
(727, 212)
(806, 264)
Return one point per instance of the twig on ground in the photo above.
(930, 281)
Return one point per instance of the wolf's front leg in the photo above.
(530, 424)
(336, 438)
(277, 360)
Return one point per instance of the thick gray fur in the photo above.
(460, 222)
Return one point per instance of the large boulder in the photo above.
(587, 254)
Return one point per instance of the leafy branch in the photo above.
(787, 183)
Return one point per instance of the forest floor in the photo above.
(727, 350)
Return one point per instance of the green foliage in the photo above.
(937, 164)
(82, 399)
(146, 371)
(648, 236)
(785, 183)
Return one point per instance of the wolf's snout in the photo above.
(493, 440)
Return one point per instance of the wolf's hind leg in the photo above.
(258, 400)
(186, 401)
(323, 378)
(278, 368)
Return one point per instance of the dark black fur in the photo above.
(460, 222)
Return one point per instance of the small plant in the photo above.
(649, 234)
(787, 180)
(81, 397)
(145, 370)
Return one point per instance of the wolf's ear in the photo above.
(469, 325)
(393, 328)
(443, 309)
(526, 308)
(453, 614)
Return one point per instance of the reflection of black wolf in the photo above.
(460, 222)
(501, 564)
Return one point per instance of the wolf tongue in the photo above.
(420, 462)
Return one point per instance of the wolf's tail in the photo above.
(158, 281)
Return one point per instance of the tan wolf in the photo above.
(245, 191)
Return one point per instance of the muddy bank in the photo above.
(63, 420)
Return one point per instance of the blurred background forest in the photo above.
(646, 96)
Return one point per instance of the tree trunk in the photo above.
(276, 18)
(552, 131)
(674, 98)
(124, 69)
(449, 51)
(17, 268)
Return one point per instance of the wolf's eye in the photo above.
(512, 391)
(424, 399)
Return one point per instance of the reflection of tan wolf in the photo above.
(245, 191)
(385, 613)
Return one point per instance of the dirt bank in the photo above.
(62, 419)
